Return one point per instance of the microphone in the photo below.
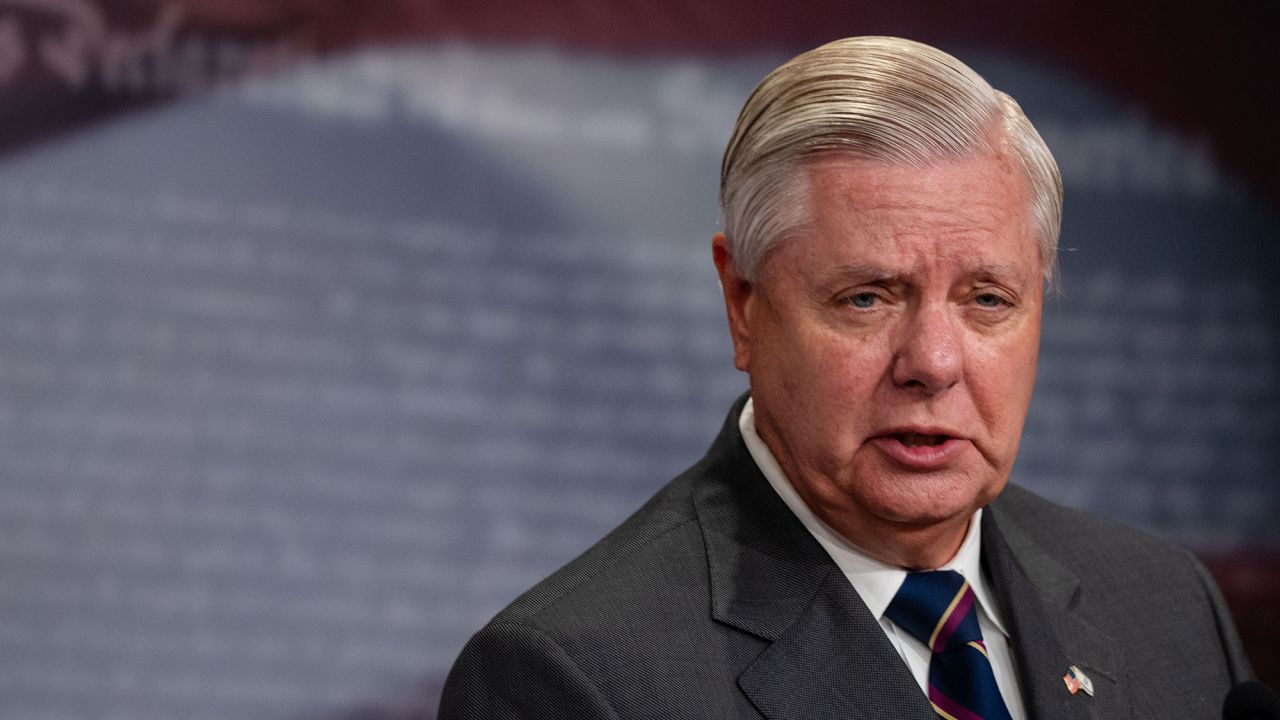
(1251, 700)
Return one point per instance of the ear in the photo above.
(739, 301)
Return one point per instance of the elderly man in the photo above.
(849, 546)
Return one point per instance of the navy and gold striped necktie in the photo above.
(938, 609)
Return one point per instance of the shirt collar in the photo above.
(875, 581)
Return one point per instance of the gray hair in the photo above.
(879, 98)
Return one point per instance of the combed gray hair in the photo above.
(879, 98)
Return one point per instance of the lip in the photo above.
(921, 457)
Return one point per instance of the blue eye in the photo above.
(990, 300)
(862, 300)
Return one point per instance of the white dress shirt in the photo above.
(877, 583)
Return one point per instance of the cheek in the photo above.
(845, 368)
(841, 390)
(1003, 377)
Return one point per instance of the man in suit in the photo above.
(849, 547)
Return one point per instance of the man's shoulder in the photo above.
(655, 557)
(627, 574)
(1074, 531)
(1149, 598)
(598, 637)
(1100, 552)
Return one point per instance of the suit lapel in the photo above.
(834, 662)
(827, 656)
(1038, 598)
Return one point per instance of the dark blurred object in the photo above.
(1251, 701)
(1250, 580)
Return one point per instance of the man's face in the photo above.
(891, 345)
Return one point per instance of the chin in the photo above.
(927, 499)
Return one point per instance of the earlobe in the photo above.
(738, 298)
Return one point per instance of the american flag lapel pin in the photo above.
(1076, 681)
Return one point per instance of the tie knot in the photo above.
(936, 607)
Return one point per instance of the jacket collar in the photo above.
(1040, 598)
(827, 657)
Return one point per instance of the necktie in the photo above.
(937, 608)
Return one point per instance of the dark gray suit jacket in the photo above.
(713, 601)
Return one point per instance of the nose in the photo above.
(929, 353)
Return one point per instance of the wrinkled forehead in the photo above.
(982, 189)
(971, 211)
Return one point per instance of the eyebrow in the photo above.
(866, 272)
(995, 271)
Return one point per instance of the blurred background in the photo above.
(327, 327)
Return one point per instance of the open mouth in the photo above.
(919, 440)
(918, 451)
